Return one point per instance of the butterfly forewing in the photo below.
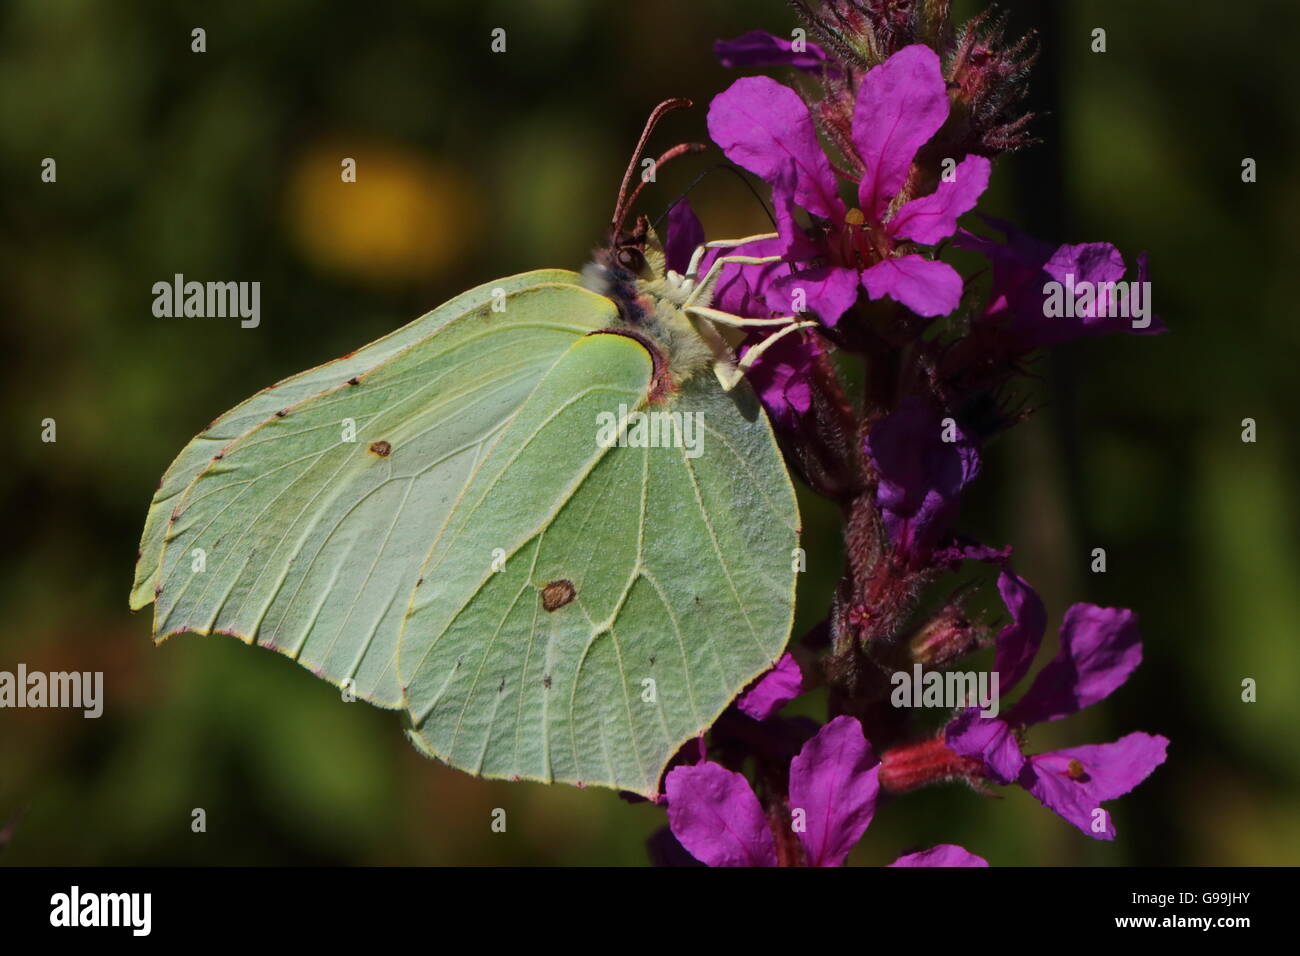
(313, 524)
(249, 414)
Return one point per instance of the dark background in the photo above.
(224, 165)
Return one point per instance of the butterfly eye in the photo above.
(630, 258)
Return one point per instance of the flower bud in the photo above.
(924, 762)
(947, 638)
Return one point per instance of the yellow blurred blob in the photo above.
(404, 218)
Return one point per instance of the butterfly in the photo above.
(548, 520)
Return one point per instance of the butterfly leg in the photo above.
(704, 289)
(736, 321)
(729, 372)
(694, 268)
(751, 356)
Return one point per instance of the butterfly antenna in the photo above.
(624, 199)
(726, 167)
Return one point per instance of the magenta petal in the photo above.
(685, 234)
(1075, 782)
(1100, 648)
(716, 817)
(934, 217)
(834, 780)
(782, 684)
(921, 475)
(828, 292)
(761, 125)
(945, 854)
(795, 244)
(900, 105)
(1019, 641)
(1087, 261)
(740, 289)
(988, 738)
(759, 48)
(927, 287)
(781, 378)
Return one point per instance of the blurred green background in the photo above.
(224, 165)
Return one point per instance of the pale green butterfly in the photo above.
(468, 520)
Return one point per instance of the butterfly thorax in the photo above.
(650, 297)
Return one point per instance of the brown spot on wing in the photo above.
(557, 594)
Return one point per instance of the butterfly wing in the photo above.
(545, 607)
(274, 527)
(643, 588)
(196, 456)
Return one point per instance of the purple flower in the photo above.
(921, 476)
(767, 695)
(834, 783)
(1100, 648)
(780, 376)
(759, 48)
(1021, 305)
(766, 127)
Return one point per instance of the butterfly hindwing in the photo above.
(644, 587)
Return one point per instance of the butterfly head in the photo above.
(625, 268)
(631, 270)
